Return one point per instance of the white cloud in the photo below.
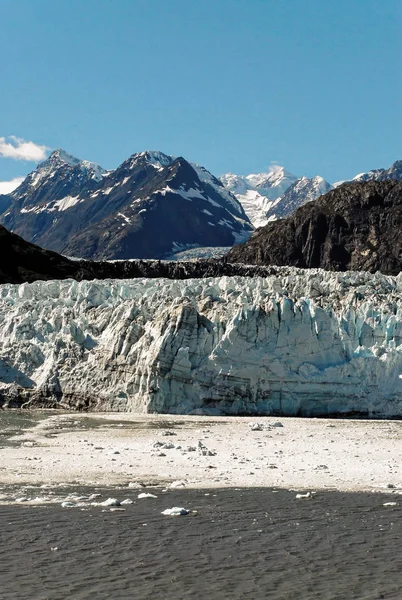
(8, 186)
(274, 166)
(19, 149)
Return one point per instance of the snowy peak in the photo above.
(237, 184)
(157, 159)
(150, 206)
(259, 193)
(302, 191)
(60, 159)
(394, 172)
(57, 184)
(274, 183)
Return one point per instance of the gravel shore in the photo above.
(199, 452)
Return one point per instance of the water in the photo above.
(15, 422)
(246, 543)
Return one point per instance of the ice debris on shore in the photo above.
(300, 342)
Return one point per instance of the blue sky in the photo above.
(314, 85)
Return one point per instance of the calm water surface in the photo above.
(250, 543)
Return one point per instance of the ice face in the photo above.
(297, 343)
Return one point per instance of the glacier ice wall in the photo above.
(297, 343)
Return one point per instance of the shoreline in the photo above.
(119, 449)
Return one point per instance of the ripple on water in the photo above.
(245, 543)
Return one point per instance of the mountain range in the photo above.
(153, 205)
(149, 207)
(277, 194)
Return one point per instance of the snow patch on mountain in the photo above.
(208, 178)
(66, 203)
(295, 343)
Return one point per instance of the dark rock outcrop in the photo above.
(356, 226)
(21, 262)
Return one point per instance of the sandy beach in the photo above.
(199, 452)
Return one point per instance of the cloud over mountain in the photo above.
(6, 187)
(19, 149)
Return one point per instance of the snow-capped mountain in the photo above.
(150, 206)
(301, 191)
(274, 183)
(394, 172)
(255, 201)
(270, 196)
(60, 181)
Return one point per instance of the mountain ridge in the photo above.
(262, 207)
(146, 207)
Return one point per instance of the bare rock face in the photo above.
(298, 342)
(23, 262)
(356, 226)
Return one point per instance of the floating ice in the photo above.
(145, 495)
(175, 511)
(110, 502)
(306, 495)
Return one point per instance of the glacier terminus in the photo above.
(301, 342)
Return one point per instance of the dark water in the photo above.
(241, 544)
(15, 422)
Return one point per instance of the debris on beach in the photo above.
(164, 445)
(177, 483)
(203, 450)
(176, 511)
(256, 426)
(390, 504)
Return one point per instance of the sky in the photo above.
(234, 85)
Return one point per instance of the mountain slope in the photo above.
(356, 226)
(150, 206)
(301, 191)
(56, 185)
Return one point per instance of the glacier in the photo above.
(300, 342)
